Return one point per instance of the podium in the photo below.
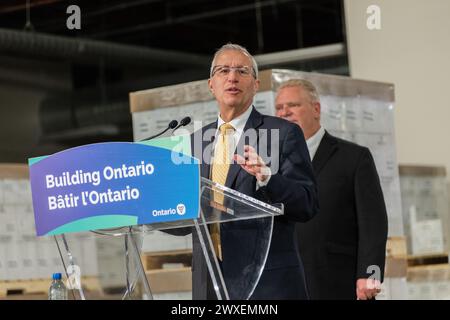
(236, 208)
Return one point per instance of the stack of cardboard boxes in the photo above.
(23, 256)
(426, 218)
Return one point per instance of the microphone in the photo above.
(183, 122)
(172, 124)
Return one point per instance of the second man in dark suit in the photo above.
(343, 247)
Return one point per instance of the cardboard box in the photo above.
(399, 288)
(396, 247)
(159, 241)
(429, 282)
(111, 262)
(28, 260)
(89, 251)
(396, 267)
(11, 192)
(12, 262)
(170, 280)
(45, 247)
(394, 289)
(425, 209)
(14, 171)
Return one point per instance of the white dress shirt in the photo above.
(314, 141)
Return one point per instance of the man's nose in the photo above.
(233, 75)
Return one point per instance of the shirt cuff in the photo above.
(260, 184)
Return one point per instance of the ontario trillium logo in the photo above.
(181, 209)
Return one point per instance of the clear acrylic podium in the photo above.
(236, 206)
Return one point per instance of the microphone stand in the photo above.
(172, 124)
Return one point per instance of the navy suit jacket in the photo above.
(293, 185)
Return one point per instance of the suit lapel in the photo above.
(206, 158)
(254, 121)
(327, 147)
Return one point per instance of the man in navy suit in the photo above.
(289, 179)
(343, 248)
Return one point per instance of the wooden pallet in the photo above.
(430, 273)
(170, 280)
(396, 258)
(157, 260)
(395, 267)
(39, 287)
(396, 247)
(396, 250)
(427, 259)
(168, 271)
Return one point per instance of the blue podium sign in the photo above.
(115, 184)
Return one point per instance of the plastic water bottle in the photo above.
(58, 290)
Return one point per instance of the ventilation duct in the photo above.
(76, 49)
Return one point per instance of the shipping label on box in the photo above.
(426, 236)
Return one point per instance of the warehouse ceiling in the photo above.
(196, 26)
(82, 77)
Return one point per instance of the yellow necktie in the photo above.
(223, 151)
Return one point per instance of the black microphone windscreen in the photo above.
(185, 121)
(173, 124)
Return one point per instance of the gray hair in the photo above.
(236, 47)
(305, 84)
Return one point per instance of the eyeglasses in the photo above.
(223, 71)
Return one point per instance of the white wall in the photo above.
(411, 50)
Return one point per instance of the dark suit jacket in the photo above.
(294, 186)
(350, 233)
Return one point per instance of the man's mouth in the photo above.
(233, 90)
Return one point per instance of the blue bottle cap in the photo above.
(57, 276)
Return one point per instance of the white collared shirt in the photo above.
(238, 124)
(314, 141)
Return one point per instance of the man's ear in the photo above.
(256, 86)
(210, 86)
(317, 109)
